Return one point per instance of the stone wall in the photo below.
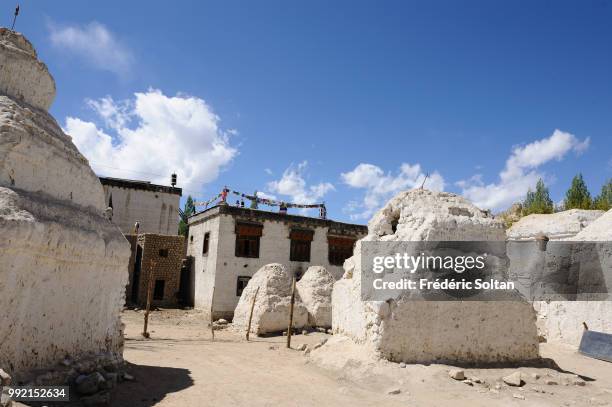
(161, 261)
(63, 265)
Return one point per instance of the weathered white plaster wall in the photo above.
(561, 321)
(556, 226)
(19, 65)
(156, 212)
(273, 303)
(204, 266)
(432, 331)
(63, 265)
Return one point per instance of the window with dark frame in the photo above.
(163, 252)
(247, 239)
(339, 249)
(205, 245)
(158, 292)
(300, 244)
(241, 284)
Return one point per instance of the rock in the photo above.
(315, 290)
(222, 321)
(468, 382)
(578, 382)
(302, 347)
(271, 312)
(284, 333)
(515, 379)
(394, 391)
(111, 380)
(457, 374)
(89, 384)
(304, 332)
(330, 332)
(476, 380)
(402, 365)
(483, 331)
(128, 377)
(66, 362)
(518, 396)
(321, 329)
(5, 400)
(5, 378)
(551, 382)
(535, 376)
(97, 400)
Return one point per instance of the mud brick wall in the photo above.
(161, 259)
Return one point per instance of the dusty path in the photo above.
(180, 366)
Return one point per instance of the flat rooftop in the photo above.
(141, 185)
(258, 215)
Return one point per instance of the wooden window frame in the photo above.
(301, 242)
(248, 237)
(339, 249)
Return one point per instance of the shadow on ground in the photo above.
(152, 384)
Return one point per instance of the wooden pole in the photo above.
(291, 314)
(148, 308)
(251, 314)
(15, 17)
(212, 327)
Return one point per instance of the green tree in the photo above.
(578, 196)
(604, 200)
(184, 215)
(538, 201)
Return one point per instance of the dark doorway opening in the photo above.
(158, 292)
(137, 271)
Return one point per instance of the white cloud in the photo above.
(520, 172)
(293, 184)
(93, 42)
(380, 187)
(268, 171)
(170, 134)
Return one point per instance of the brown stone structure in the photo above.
(160, 258)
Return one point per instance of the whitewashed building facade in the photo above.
(154, 207)
(228, 244)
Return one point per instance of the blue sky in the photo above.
(346, 102)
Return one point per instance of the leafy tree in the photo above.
(604, 200)
(184, 214)
(538, 201)
(578, 196)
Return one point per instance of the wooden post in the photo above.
(212, 327)
(291, 313)
(251, 314)
(148, 308)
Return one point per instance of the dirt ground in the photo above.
(179, 365)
